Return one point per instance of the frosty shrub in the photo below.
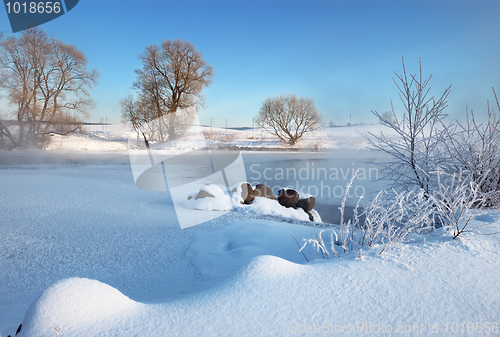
(474, 148)
(457, 200)
(445, 161)
(443, 174)
(392, 216)
(386, 222)
(319, 246)
(347, 228)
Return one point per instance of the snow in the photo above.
(271, 296)
(117, 137)
(79, 301)
(265, 206)
(101, 138)
(259, 207)
(83, 249)
(218, 201)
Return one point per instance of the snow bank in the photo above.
(75, 304)
(425, 288)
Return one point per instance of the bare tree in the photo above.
(171, 79)
(416, 153)
(48, 83)
(138, 116)
(289, 117)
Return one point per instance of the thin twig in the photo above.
(305, 257)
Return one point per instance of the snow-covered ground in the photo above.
(84, 250)
(115, 137)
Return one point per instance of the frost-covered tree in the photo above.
(416, 153)
(456, 166)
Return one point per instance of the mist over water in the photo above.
(34, 157)
(324, 175)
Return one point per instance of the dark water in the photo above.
(324, 175)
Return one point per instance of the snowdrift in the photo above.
(412, 290)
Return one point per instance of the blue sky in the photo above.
(341, 53)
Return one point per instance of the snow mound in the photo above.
(75, 303)
(265, 267)
(219, 201)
